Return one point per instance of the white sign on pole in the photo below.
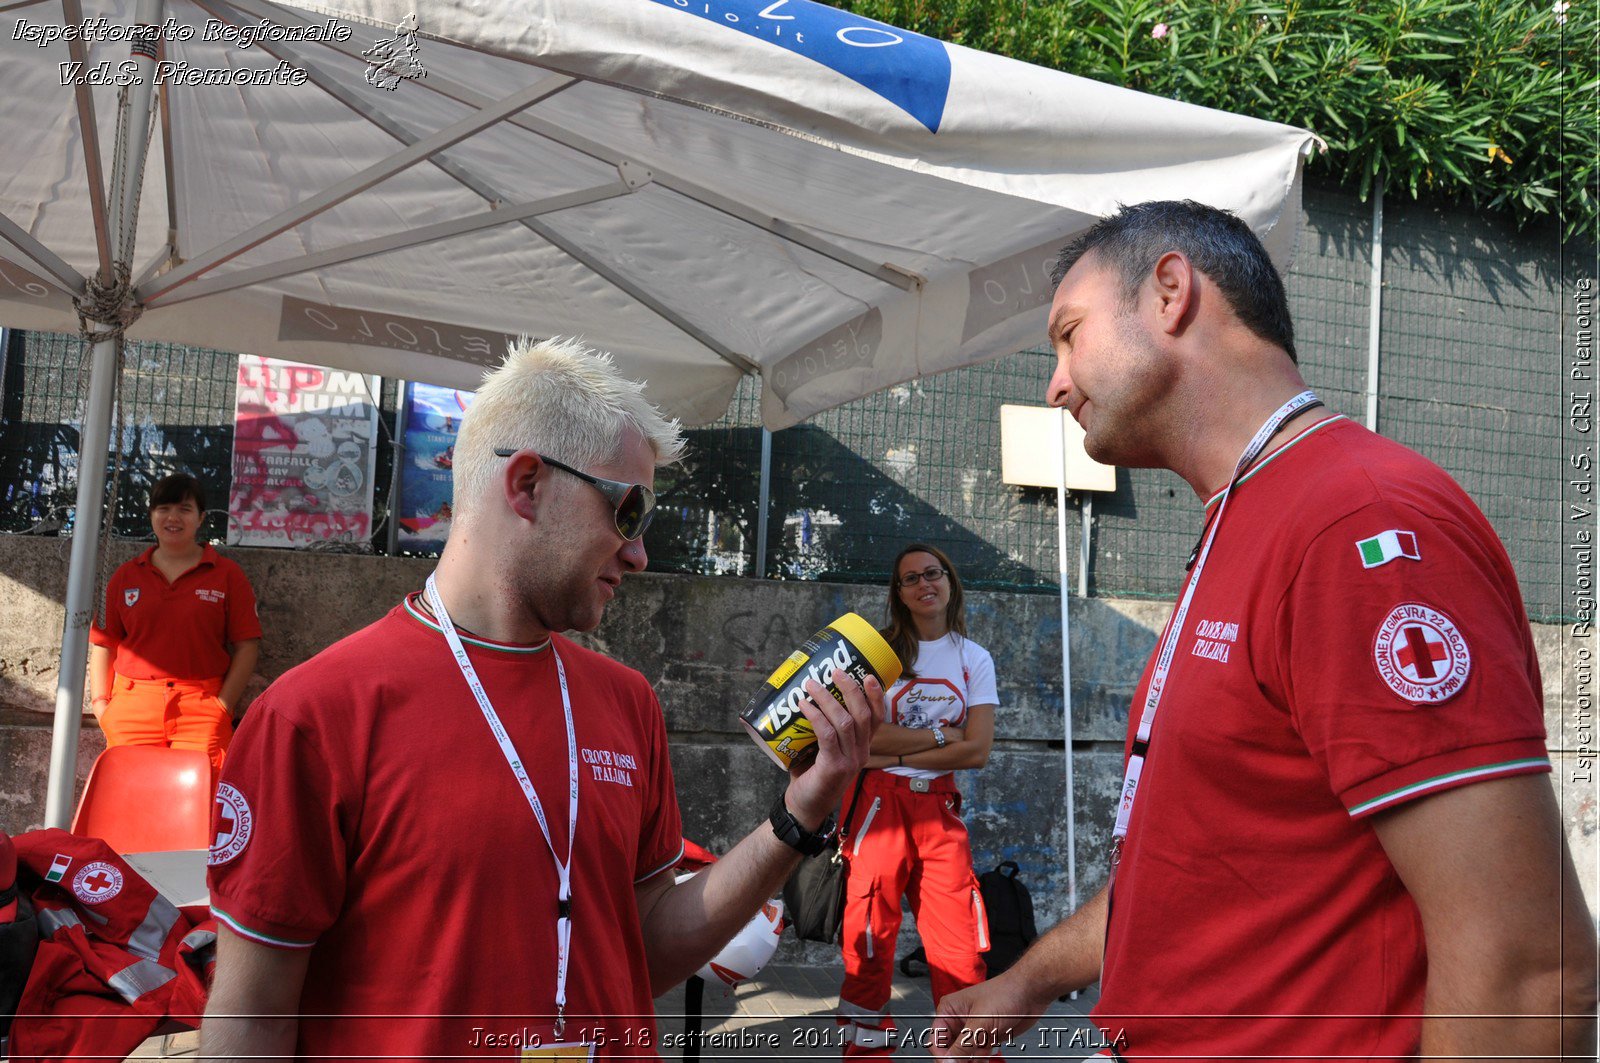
(1031, 451)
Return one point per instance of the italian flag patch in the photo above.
(58, 868)
(1386, 547)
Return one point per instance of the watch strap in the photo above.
(792, 834)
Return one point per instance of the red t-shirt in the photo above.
(1357, 640)
(366, 813)
(177, 630)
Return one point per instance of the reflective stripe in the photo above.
(855, 850)
(982, 919)
(200, 939)
(855, 1012)
(158, 922)
(137, 979)
(869, 928)
(53, 919)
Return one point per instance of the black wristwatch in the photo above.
(792, 834)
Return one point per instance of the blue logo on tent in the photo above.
(907, 69)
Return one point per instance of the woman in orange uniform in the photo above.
(906, 837)
(180, 639)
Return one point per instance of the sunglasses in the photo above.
(634, 505)
(932, 575)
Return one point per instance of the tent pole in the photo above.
(94, 441)
(1066, 669)
(93, 445)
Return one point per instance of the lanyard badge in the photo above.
(514, 760)
(1169, 640)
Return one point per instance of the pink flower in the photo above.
(1159, 31)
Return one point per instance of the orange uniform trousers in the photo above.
(181, 713)
(906, 842)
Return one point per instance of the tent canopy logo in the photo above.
(907, 69)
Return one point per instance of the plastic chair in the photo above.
(142, 799)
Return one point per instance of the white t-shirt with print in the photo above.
(952, 673)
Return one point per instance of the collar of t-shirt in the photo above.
(208, 558)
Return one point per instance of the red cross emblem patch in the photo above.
(232, 822)
(1420, 654)
(96, 882)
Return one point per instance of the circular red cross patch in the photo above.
(1420, 654)
(234, 822)
(96, 882)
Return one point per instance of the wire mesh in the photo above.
(1471, 377)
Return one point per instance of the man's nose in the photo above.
(633, 555)
(1060, 385)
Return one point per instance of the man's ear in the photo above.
(523, 484)
(1174, 282)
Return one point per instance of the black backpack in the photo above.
(1011, 927)
(1010, 908)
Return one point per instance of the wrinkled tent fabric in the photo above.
(708, 188)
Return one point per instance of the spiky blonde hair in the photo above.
(561, 398)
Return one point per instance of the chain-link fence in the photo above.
(1471, 374)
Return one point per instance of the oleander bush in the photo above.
(1489, 102)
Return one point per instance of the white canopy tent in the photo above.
(708, 188)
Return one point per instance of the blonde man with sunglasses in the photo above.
(453, 833)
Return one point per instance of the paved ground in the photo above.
(788, 1012)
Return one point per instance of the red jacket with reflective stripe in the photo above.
(115, 959)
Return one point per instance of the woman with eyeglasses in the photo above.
(906, 837)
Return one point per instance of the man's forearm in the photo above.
(226, 1037)
(690, 923)
(1069, 956)
(1549, 1015)
(255, 994)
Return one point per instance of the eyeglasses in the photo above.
(932, 575)
(634, 504)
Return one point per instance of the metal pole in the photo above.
(1375, 309)
(396, 457)
(1066, 668)
(94, 444)
(1087, 508)
(763, 499)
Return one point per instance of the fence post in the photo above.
(1375, 306)
(763, 497)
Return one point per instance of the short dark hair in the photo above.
(1216, 242)
(175, 490)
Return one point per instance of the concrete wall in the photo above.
(707, 644)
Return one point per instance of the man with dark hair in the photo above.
(1334, 836)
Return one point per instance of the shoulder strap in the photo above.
(844, 824)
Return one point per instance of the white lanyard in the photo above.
(1169, 641)
(509, 751)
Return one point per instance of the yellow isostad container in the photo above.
(849, 644)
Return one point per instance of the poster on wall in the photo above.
(433, 417)
(304, 451)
